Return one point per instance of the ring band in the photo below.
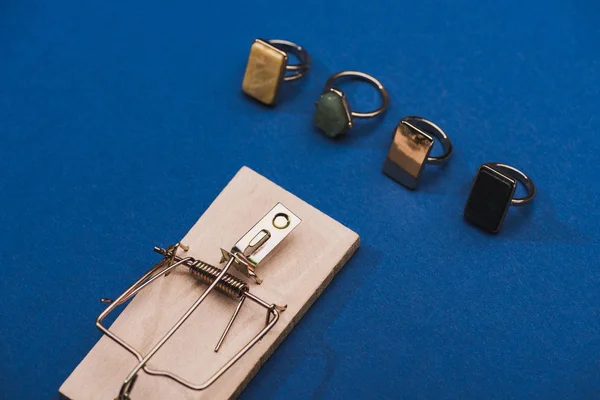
(433, 129)
(492, 194)
(333, 115)
(268, 67)
(521, 177)
(304, 60)
(385, 97)
(411, 148)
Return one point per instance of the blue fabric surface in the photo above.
(120, 121)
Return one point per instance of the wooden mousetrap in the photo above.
(203, 320)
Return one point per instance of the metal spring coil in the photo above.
(229, 284)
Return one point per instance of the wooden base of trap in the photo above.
(295, 274)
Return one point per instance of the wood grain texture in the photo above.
(295, 274)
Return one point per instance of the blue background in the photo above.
(120, 121)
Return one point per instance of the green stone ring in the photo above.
(333, 115)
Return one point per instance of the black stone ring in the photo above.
(492, 193)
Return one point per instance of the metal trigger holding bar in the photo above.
(245, 255)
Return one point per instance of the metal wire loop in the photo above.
(218, 279)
